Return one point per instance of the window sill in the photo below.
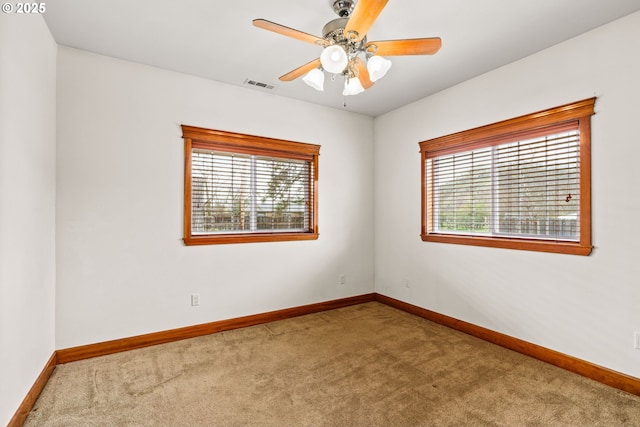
(247, 238)
(552, 246)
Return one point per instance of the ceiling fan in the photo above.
(346, 50)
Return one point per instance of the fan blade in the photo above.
(292, 75)
(289, 32)
(365, 12)
(406, 47)
(363, 74)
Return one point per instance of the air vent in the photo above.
(258, 84)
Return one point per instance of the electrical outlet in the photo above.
(636, 340)
(406, 283)
(342, 279)
(195, 300)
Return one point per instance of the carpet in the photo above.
(365, 365)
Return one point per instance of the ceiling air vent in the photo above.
(258, 84)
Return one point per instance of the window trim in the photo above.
(496, 133)
(209, 139)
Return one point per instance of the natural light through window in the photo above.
(527, 188)
(244, 188)
(246, 193)
(523, 183)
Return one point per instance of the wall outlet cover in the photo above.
(195, 300)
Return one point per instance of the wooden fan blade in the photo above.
(286, 31)
(363, 74)
(292, 75)
(427, 46)
(362, 17)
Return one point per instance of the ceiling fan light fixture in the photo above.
(346, 49)
(334, 59)
(315, 79)
(352, 86)
(377, 67)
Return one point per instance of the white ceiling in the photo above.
(216, 40)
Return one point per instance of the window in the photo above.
(243, 188)
(523, 183)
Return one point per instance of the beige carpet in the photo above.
(366, 365)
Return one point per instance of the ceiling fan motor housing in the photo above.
(334, 30)
(343, 8)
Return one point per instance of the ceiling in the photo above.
(216, 40)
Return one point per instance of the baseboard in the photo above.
(125, 344)
(25, 407)
(587, 369)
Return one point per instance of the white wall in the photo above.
(27, 205)
(587, 307)
(122, 267)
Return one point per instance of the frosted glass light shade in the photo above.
(352, 87)
(315, 79)
(377, 67)
(334, 59)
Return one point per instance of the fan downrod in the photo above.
(343, 8)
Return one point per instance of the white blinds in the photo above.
(244, 193)
(527, 188)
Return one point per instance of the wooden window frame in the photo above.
(506, 131)
(209, 139)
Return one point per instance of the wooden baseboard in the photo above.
(587, 369)
(25, 407)
(115, 346)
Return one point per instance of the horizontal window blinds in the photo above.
(245, 193)
(528, 188)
